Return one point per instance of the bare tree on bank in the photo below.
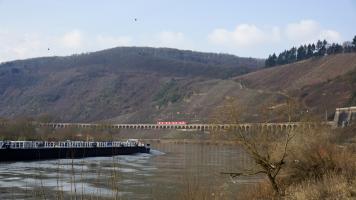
(267, 146)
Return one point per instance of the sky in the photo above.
(253, 28)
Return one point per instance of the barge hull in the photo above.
(66, 153)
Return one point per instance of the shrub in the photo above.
(330, 186)
(314, 154)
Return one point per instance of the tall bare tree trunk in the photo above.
(274, 184)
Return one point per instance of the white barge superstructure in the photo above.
(41, 150)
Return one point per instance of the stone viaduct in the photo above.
(344, 116)
(203, 127)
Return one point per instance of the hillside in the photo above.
(106, 84)
(304, 73)
(320, 84)
(146, 84)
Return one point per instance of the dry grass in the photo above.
(193, 189)
(317, 168)
(260, 191)
(330, 186)
(314, 154)
(345, 136)
(300, 74)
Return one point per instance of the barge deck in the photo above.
(44, 150)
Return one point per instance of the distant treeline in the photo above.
(321, 48)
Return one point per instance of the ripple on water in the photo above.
(59, 174)
(138, 174)
(154, 152)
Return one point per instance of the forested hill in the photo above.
(115, 82)
(145, 59)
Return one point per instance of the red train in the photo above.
(173, 123)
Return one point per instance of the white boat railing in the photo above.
(68, 144)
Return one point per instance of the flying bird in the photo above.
(135, 19)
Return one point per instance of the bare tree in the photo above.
(267, 146)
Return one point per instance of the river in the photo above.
(171, 170)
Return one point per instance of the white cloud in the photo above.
(251, 36)
(307, 31)
(72, 39)
(244, 35)
(302, 31)
(220, 36)
(110, 41)
(16, 45)
(169, 39)
(330, 35)
(245, 39)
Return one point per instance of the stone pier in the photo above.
(345, 116)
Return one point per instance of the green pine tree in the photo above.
(301, 53)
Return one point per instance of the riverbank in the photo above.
(320, 164)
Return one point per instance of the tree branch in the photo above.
(236, 174)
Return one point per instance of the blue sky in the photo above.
(251, 28)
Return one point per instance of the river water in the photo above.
(174, 171)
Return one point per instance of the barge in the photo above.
(45, 150)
